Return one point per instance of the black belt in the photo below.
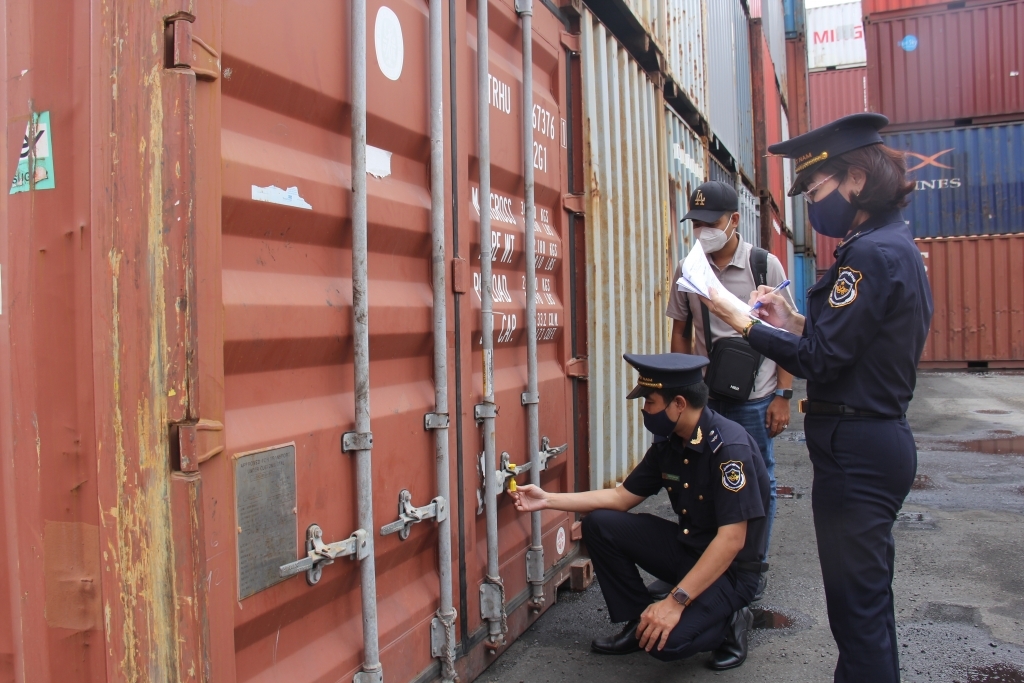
(823, 408)
(757, 567)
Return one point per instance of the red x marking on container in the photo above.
(929, 161)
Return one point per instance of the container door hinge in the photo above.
(574, 203)
(571, 42)
(198, 442)
(409, 515)
(320, 554)
(356, 441)
(188, 51)
(578, 368)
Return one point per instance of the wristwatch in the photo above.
(784, 393)
(682, 597)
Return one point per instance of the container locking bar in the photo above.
(320, 554)
(409, 515)
(508, 470)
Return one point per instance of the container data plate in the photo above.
(265, 508)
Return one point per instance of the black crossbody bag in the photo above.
(734, 364)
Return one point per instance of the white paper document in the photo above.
(699, 278)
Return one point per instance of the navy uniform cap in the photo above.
(829, 141)
(710, 200)
(665, 371)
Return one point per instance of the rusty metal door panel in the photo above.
(628, 240)
(51, 612)
(287, 321)
(550, 134)
(978, 291)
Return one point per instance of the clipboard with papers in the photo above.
(699, 278)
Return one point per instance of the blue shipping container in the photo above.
(794, 10)
(803, 278)
(969, 181)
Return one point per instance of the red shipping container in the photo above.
(796, 73)
(939, 66)
(872, 7)
(836, 93)
(978, 289)
(769, 178)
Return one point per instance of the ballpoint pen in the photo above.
(781, 285)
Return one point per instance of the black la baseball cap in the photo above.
(710, 200)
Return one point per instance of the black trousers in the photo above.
(619, 541)
(863, 470)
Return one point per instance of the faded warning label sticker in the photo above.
(35, 163)
(275, 195)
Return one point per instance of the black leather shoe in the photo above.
(762, 584)
(622, 643)
(659, 590)
(733, 651)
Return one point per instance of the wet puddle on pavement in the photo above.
(993, 411)
(767, 618)
(1001, 445)
(996, 673)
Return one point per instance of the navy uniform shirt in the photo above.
(866, 325)
(715, 478)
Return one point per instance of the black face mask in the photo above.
(660, 424)
(832, 216)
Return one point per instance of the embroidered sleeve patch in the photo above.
(844, 291)
(733, 478)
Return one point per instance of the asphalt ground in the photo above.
(959, 581)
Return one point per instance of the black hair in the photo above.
(695, 395)
(887, 186)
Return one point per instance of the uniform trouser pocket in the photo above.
(863, 470)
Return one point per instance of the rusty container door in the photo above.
(51, 567)
(550, 125)
(288, 387)
(978, 288)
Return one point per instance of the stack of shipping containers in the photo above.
(949, 77)
(803, 272)
(837, 76)
(373, 275)
(767, 32)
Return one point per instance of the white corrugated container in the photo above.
(628, 260)
(686, 170)
(835, 36)
(646, 12)
(750, 214)
(787, 175)
(685, 44)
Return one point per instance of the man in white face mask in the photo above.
(765, 411)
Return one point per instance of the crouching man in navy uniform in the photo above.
(713, 557)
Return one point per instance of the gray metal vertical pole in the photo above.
(531, 399)
(445, 620)
(492, 592)
(361, 349)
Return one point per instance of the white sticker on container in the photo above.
(387, 39)
(378, 162)
(275, 195)
(560, 540)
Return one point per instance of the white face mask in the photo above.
(712, 239)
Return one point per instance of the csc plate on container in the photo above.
(265, 514)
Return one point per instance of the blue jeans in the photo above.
(751, 416)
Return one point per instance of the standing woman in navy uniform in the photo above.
(866, 326)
